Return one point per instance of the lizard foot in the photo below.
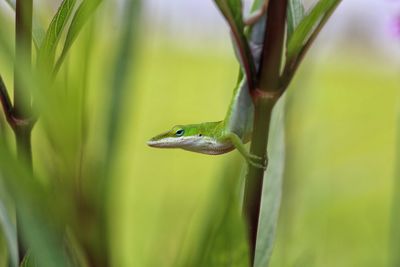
(256, 161)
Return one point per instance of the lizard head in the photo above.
(180, 136)
(200, 138)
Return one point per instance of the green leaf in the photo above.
(232, 12)
(28, 260)
(309, 26)
(221, 238)
(38, 34)
(38, 31)
(295, 14)
(48, 48)
(122, 71)
(36, 209)
(272, 188)
(82, 15)
(10, 235)
(303, 37)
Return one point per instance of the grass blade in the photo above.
(48, 48)
(295, 14)
(232, 11)
(82, 15)
(272, 189)
(10, 235)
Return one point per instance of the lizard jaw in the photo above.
(204, 145)
(173, 142)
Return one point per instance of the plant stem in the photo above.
(24, 146)
(24, 153)
(22, 96)
(254, 178)
(23, 52)
(265, 97)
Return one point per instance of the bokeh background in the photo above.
(341, 127)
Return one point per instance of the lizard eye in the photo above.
(180, 132)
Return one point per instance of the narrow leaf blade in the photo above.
(28, 260)
(48, 49)
(272, 189)
(38, 34)
(81, 16)
(221, 234)
(307, 26)
(295, 14)
(302, 38)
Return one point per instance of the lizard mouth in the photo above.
(172, 142)
(158, 141)
(153, 143)
(162, 143)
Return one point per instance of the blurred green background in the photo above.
(341, 113)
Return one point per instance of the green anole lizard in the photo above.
(234, 131)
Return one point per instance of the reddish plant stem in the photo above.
(265, 97)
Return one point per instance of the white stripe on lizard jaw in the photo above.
(200, 144)
(181, 142)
